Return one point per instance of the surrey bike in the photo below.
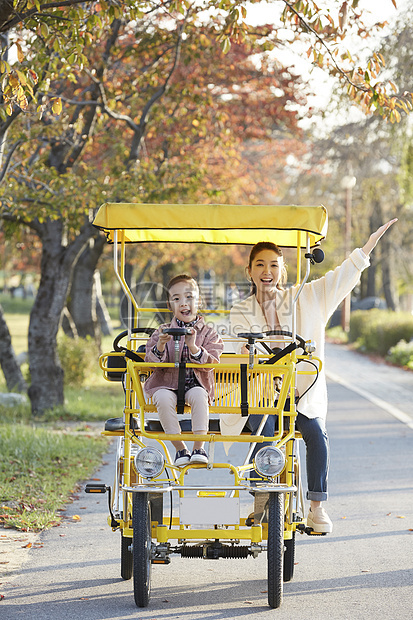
(203, 511)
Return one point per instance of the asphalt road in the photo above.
(363, 570)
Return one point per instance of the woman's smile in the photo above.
(265, 272)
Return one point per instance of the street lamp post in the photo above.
(347, 183)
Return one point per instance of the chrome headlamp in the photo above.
(269, 461)
(149, 462)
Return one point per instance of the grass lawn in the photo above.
(42, 460)
(40, 470)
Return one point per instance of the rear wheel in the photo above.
(126, 558)
(275, 549)
(289, 558)
(142, 542)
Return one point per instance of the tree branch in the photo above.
(330, 54)
(137, 137)
(8, 160)
(34, 12)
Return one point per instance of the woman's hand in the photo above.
(374, 237)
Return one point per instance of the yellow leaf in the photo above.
(76, 518)
(21, 77)
(20, 55)
(57, 106)
(195, 122)
(226, 46)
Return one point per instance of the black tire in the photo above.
(126, 558)
(275, 549)
(289, 558)
(142, 541)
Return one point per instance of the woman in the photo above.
(270, 307)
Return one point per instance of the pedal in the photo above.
(92, 487)
(161, 561)
(311, 532)
(304, 529)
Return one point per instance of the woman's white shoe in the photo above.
(319, 521)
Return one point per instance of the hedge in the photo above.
(376, 331)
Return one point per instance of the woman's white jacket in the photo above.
(315, 305)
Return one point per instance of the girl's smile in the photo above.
(183, 300)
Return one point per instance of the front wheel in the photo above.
(275, 549)
(142, 543)
(126, 558)
(289, 557)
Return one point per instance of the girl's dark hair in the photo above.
(183, 277)
(267, 245)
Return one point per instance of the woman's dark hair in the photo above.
(267, 245)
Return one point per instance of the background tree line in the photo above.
(169, 102)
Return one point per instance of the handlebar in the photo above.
(278, 354)
(176, 332)
(135, 330)
(282, 332)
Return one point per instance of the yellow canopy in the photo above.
(240, 224)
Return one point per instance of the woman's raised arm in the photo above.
(374, 237)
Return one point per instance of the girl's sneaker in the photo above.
(199, 456)
(182, 457)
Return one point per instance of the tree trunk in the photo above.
(82, 301)
(46, 390)
(102, 312)
(372, 270)
(8, 361)
(68, 324)
(386, 259)
(388, 279)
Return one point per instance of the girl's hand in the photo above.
(374, 237)
(190, 341)
(163, 339)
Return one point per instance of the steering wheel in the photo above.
(135, 330)
(282, 332)
(253, 336)
(176, 332)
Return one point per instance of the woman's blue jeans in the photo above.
(315, 438)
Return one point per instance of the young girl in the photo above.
(202, 346)
(270, 307)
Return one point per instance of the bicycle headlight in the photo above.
(269, 461)
(149, 462)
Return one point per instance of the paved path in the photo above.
(363, 570)
(386, 386)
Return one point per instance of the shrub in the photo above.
(376, 331)
(78, 358)
(401, 354)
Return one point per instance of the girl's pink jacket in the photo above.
(209, 342)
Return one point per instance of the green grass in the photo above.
(15, 305)
(40, 470)
(41, 463)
